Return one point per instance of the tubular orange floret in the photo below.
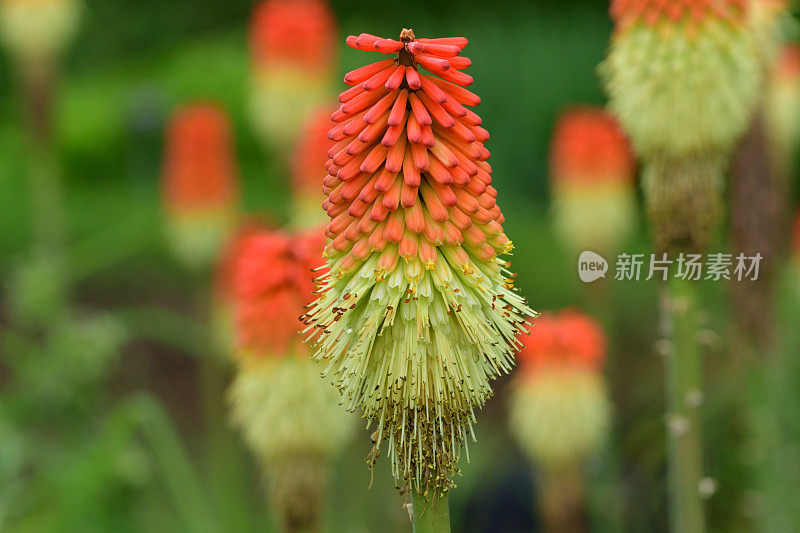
(199, 171)
(407, 316)
(589, 147)
(295, 31)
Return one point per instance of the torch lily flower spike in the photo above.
(417, 313)
(683, 78)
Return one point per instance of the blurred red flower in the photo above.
(272, 283)
(294, 31)
(311, 154)
(589, 147)
(199, 169)
(564, 340)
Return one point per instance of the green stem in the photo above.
(430, 516)
(562, 501)
(684, 371)
(44, 180)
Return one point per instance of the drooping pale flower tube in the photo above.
(293, 48)
(591, 175)
(683, 79)
(200, 183)
(417, 313)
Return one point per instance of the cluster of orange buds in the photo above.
(272, 280)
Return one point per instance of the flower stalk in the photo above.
(430, 516)
(667, 62)
(684, 377)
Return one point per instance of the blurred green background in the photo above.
(130, 445)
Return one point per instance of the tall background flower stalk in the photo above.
(759, 188)
(683, 79)
(417, 313)
(37, 33)
(200, 193)
(684, 388)
(759, 224)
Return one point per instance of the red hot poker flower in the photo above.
(591, 170)
(418, 313)
(559, 408)
(293, 31)
(199, 171)
(200, 186)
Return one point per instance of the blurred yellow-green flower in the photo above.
(783, 104)
(771, 20)
(683, 79)
(559, 409)
(37, 31)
